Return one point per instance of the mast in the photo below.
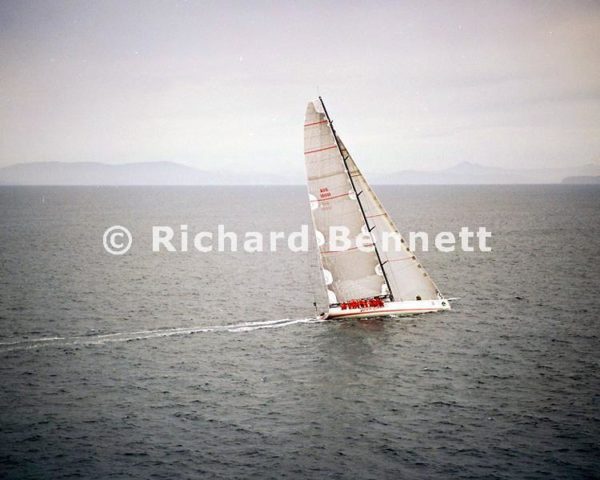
(357, 193)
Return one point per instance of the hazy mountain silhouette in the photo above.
(583, 180)
(171, 173)
(145, 173)
(472, 173)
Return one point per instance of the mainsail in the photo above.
(350, 273)
(341, 197)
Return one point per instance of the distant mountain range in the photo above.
(170, 173)
(584, 180)
(144, 173)
(467, 173)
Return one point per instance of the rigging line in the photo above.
(362, 210)
(311, 266)
(316, 261)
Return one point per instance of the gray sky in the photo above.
(224, 85)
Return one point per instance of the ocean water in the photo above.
(212, 365)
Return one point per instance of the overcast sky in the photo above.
(224, 85)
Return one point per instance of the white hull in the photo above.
(391, 309)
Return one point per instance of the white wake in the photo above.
(99, 339)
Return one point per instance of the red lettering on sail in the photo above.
(324, 192)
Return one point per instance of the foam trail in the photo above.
(45, 339)
(274, 325)
(101, 339)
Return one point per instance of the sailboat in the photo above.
(361, 280)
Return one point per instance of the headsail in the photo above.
(408, 279)
(334, 181)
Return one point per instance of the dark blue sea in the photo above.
(212, 365)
